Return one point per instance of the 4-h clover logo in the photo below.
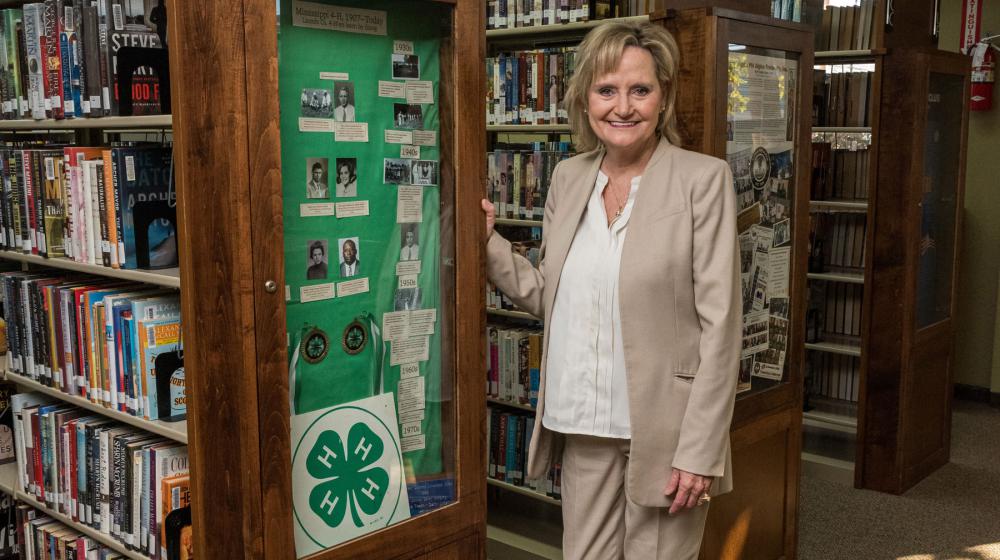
(347, 473)
(348, 479)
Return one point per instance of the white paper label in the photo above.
(409, 204)
(422, 322)
(338, 18)
(352, 287)
(395, 90)
(409, 351)
(414, 443)
(398, 137)
(425, 137)
(419, 92)
(352, 209)
(340, 76)
(407, 371)
(407, 282)
(396, 325)
(402, 47)
(316, 292)
(407, 268)
(315, 125)
(351, 132)
(130, 168)
(315, 209)
(407, 151)
(409, 429)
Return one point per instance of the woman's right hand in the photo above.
(491, 216)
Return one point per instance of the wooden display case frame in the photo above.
(224, 64)
(758, 519)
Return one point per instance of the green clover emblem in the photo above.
(348, 478)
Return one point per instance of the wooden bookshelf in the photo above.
(169, 277)
(176, 431)
(833, 348)
(509, 404)
(86, 530)
(837, 206)
(136, 122)
(856, 129)
(547, 31)
(523, 491)
(829, 420)
(827, 56)
(518, 223)
(529, 128)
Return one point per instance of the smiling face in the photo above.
(623, 106)
(345, 174)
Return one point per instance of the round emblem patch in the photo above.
(355, 338)
(315, 345)
(760, 168)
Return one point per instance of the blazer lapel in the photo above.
(575, 193)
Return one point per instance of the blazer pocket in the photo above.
(684, 377)
(668, 212)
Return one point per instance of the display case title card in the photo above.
(338, 18)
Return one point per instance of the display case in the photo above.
(332, 144)
(745, 86)
(905, 409)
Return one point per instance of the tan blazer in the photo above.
(681, 312)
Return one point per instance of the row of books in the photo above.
(111, 206)
(67, 58)
(839, 174)
(116, 479)
(528, 87)
(842, 94)
(518, 180)
(113, 342)
(40, 537)
(834, 313)
(509, 436)
(509, 14)
(846, 28)
(790, 10)
(837, 242)
(514, 364)
(834, 376)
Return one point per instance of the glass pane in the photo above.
(937, 206)
(369, 245)
(760, 129)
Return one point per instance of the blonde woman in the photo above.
(639, 287)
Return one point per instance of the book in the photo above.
(148, 206)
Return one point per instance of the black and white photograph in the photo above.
(316, 264)
(409, 242)
(424, 172)
(347, 177)
(778, 307)
(782, 233)
(408, 116)
(343, 98)
(316, 104)
(405, 67)
(396, 171)
(350, 259)
(407, 299)
(317, 182)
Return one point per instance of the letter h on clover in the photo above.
(346, 475)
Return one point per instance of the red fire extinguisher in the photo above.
(983, 64)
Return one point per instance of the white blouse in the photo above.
(585, 389)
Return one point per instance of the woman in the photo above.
(347, 180)
(642, 338)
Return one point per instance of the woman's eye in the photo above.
(641, 91)
(605, 91)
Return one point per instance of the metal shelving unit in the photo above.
(89, 531)
(176, 431)
(136, 122)
(169, 277)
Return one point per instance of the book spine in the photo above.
(113, 204)
(38, 188)
(65, 30)
(52, 58)
(102, 217)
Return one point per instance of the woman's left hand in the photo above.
(688, 489)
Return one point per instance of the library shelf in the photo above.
(828, 468)
(519, 223)
(837, 206)
(830, 421)
(509, 404)
(852, 54)
(511, 314)
(832, 348)
(106, 540)
(8, 477)
(575, 28)
(169, 277)
(176, 431)
(140, 121)
(853, 129)
(529, 128)
(844, 277)
(523, 491)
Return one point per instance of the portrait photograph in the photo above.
(424, 172)
(318, 259)
(347, 177)
(408, 116)
(343, 101)
(407, 299)
(350, 260)
(317, 179)
(316, 104)
(409, 242)
(396, 171)
(405, 67)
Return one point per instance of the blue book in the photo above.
(143, 179)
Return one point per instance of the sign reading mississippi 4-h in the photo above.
(347, 473)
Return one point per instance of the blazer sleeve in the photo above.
(513, 274)
(704, 435)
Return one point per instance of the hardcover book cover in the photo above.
(148, 206)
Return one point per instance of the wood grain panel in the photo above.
(212, 162)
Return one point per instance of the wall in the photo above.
(977, 342)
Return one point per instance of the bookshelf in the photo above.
(119, 123)
(89, 531)
(168, 277)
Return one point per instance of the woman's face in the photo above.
(317, 255)
(345, 174)
(623, 106)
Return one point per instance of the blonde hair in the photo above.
(600, 52)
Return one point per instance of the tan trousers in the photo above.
(600, 520)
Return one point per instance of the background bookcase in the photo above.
(855, 426)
